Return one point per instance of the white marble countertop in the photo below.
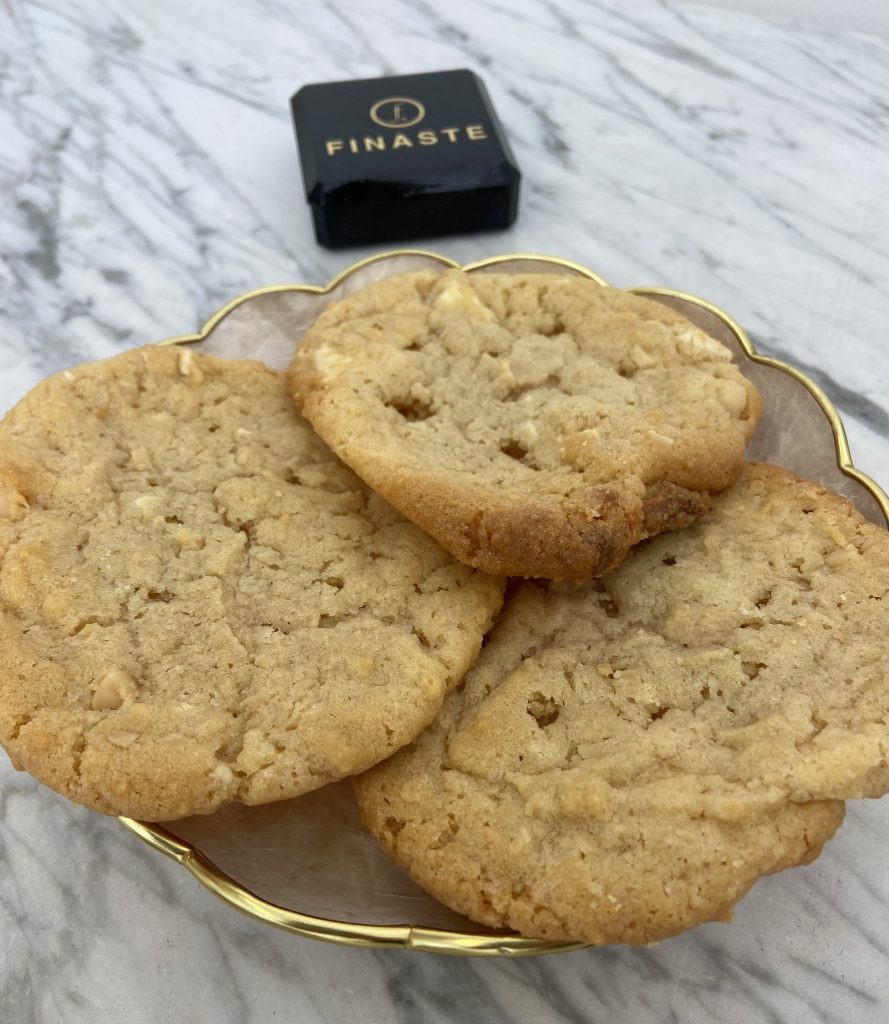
(148, 174)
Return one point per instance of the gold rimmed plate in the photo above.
(306, 865)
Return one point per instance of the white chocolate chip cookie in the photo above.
(535, 425)
(199, 603)
(625, 759)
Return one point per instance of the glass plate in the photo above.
(306, 865)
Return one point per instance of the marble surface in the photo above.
(147, 174)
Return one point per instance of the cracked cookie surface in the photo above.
(199, 603)
(535, 425)
(625, 759)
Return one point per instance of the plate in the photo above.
(306, 865)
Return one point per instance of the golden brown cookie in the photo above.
(199, 603)
(535, 425)
(625, 759)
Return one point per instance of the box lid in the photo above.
(405, 136)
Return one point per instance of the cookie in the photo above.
(626, 758)
(199, 603)
(535, 425)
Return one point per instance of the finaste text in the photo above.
(401, 140)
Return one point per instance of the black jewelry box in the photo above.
(411, 156)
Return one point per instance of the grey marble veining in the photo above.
(147, 173)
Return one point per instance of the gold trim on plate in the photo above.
(406, 936)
